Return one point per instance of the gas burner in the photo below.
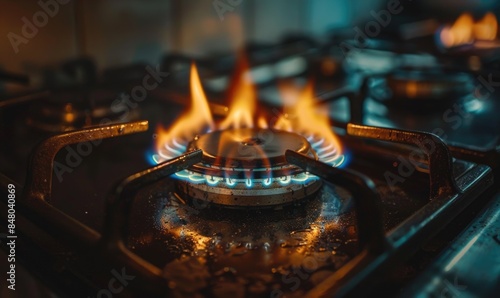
(420, 88)
(70, 111)
(247, 167)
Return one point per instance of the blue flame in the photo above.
(197, 178)
(230, 182)
(285, 180)
(212, 180)
(151, 158)
(326, 153)
(346, 159)
(302, 177)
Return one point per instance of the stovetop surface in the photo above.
(251, 249)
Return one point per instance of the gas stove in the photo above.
(287, 170)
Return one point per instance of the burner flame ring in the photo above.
(255, 153)
(248, 168)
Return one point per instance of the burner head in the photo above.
(247, 168)
(65, 111)
(249, 148)
(420, 88)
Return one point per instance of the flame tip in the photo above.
(465, 30)
(301, 117)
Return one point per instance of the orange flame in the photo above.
(303, 117)
(241, 150)
(243, 99)
(262, 122)
(300, 116)
(466, 30)
(486, 28)
(196, 119)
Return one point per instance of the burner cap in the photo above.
(249, 153)
(249, 148)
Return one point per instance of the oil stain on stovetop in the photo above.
(211, 250)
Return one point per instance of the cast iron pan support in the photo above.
(442, 183)
(447, 200)
(37, 192)
(118, 216)
(366, 198)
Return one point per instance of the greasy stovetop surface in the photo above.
(230, 250)
(235, 250)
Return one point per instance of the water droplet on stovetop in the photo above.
(350, 241)
(300, 231)
(257, 287)
(336, 245)
(239, 251)
(230, 271)
(280, 270)
(285, 245)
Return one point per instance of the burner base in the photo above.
(242, 196)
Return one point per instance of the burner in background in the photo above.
(420, 89)
(75, 98)
(70, 111)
